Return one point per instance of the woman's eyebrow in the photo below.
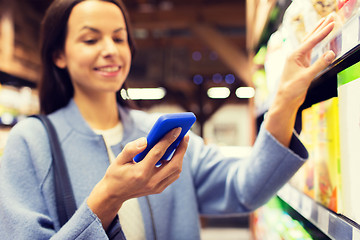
(98, 31)
(119, 29)
(90, 28)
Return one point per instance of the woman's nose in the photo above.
(109, 48)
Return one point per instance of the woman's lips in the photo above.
(108, 71)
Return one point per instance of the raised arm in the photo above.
(296, 78)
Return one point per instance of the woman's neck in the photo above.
(99, 112)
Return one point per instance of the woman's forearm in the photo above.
(280, 121)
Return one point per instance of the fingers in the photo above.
(321, 63)
(174, 166)
(144, 178)
(177, 158)
(131, 150)
(135, 147)
(318, 34)
(160, 148)
(170, 170)
(181, 149)
(318, 25)
(327, 20)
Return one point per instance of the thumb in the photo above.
(321, 63)
(131, 150)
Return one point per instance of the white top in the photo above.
(130, 215)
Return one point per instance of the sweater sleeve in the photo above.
(270, 166)
(239, 185)
(26, 210)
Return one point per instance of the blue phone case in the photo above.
(163, 125)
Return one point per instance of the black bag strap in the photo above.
(65, 201)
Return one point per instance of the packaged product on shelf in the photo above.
(322, 8)
(261, 94)
(8, 105)
(273, 222)
(299, 180)
(319, 177)
(333, 133)
(349, 121)
(335, 45)
(274, 62)
(16, 103)
(308, 135)
(327, 155)
(345, 35)
(294, 22)
(347, 8)
(259, 78)
(302, 16)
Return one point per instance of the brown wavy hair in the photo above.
(55, 88)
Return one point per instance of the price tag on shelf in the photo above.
(323, 219)
(306, 207)
(295, 200)
(349, 35)
(284, 193)
(355, 234)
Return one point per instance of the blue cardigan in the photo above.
(210, 184)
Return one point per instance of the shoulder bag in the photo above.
(65, 201)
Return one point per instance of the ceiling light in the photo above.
(217, 78)
(245, 92)
(143, 93)
(196, 56)
(230, 78)
(198, 79)
(218, 92)
(141, 33)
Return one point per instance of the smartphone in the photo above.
(163, 125)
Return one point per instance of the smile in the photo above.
(108, 69)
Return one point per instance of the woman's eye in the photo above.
(118, 40)
(90, 41)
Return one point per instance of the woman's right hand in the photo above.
(125, 179)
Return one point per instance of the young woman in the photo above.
(86, 54)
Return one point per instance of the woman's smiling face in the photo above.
(96, 53)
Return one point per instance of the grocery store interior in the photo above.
(222, 60)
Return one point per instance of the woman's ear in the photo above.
(59, 59)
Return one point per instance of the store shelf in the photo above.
(346, 46)
(8, 79)
(334, 225)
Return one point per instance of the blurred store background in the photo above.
(220, 60)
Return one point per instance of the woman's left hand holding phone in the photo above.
(125, 179)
